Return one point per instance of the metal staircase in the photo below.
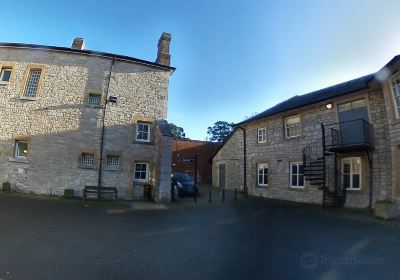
(319, 168)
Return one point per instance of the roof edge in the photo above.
(87, 52)
(222, 144)
(255, 118)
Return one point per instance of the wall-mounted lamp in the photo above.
(329, 106)
(112, 99)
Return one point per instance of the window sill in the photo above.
(87, 166)
(27, 98)
(353, 190)
(296, 188)
(143, 142)
(141, 182)
(19, 160)
(109, 168)
(3, 83)
(94, 106)
(293, 137)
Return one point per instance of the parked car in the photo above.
(182, 184)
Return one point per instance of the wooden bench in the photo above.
(100, 192)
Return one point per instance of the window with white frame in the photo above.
(87, 159)
(292, 126)
(396, 94)
(21, 149)
(112, 160)
(94, 99)
(141, 172)
(5, 74)
(351, 173)
(32, 83)
(296, 175)
(262, 135)
(262, 174)
(143, 132)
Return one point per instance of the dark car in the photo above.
(183, 184)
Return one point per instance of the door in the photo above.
(222, 176)
(351, 126)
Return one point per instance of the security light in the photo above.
(112, 99)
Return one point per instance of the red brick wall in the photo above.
(182, 149)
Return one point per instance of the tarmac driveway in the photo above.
(42, 238)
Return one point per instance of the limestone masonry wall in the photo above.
(59, 124)
(279, 151)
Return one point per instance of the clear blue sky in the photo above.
(233, 58)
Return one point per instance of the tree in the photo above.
(219, 131)
(177, 131)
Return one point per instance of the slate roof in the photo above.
(314, 97)
(164, 127)
(87, 52)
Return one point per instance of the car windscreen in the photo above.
(183, 177)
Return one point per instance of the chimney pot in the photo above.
(163, 56)
(78, 44)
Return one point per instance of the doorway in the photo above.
(351, 116)
(222, 176)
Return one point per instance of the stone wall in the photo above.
(279, 151)
(230, 155)
(394, 128)
(59, 124)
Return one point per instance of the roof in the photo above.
(164, 127)
(222, 144)
(87, 52)
(314, 97)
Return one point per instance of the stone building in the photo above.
(183, 153)
(335, 146)
(72, 117)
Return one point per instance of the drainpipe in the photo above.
(370, 180)
(244, 160)
(103, 127)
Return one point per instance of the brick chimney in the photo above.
(78, 44)
(163, 56)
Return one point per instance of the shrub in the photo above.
(6, 186)
(69, 193)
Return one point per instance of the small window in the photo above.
(292, 126)
(94, 99)
(141, 172)
(296, 175)
(262, 174)
(87, 159)
(21, 149)
(5, 74)
(112, 160)
(262, 135)
(396, 94)
(351, 173)
(32, 83)
(143, 132)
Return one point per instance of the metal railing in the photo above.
(349, 134)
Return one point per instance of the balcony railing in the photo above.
(355, 135)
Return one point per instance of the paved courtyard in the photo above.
(42, 238)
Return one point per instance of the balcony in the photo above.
(348, 136)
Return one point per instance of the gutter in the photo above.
(103, 127)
